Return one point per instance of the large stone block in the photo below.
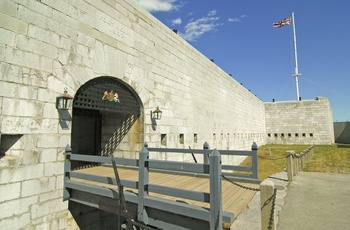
(48, 155)
(13, 24)
(38, 186)
(45, 208)
(30, 156)
(8, 7)
(55, 194)
(53, 169)
(16, 222)
(48, 141)
(21, 173)
(24, 108)
(38, 19)
(10, 191)
(36, 46)
(7, 37)
(22, 58)
(17, 206)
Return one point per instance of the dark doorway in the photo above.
(99, 125)
(86, 133)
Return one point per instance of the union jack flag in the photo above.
(282, 23)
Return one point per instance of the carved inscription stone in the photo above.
(113, 28)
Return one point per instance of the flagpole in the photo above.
(296, 73)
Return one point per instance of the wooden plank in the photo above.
(235, 199)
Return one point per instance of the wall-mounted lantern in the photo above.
(156, 114)
(64, 101)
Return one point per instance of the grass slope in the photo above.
(326, 158)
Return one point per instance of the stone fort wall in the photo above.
(299, 122)
(48, 45)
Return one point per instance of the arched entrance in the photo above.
(102, 120)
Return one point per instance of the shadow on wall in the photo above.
(342, 132)
(7, 141)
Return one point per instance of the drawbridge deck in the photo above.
(165, 194)
(234, 198)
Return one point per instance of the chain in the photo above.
(239, 185)
(273, 199)
(279, 158)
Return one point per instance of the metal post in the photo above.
(206, 153)
(296, 73)
(215, 191)
(67, 168)
(255, 172)
(142, 215)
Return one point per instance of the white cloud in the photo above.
(177, 21)
(196, 28)
(157, 5)
(212, 13)
(233, 19)
(236, 19)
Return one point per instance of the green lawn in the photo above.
(326, 158)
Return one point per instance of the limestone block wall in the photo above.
(31, 183)
(48, 45)
(299, 122)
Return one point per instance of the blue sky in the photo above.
(239, 37)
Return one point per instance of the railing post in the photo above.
(311, 151)
(302, 158)
(206, 153)
(267, 192)
(289, 163)
(255, 172)
(295, 164)
(67, 168)
(215, 191)
(143, 182)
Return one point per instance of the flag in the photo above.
(282, 23)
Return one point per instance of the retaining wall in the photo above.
(299, 122)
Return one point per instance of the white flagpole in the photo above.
(296, 73)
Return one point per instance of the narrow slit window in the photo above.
(163, 138)
(182, 138)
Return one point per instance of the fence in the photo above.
(154, 211)
(295, 162)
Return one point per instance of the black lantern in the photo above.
(64, 100)
(156, 114)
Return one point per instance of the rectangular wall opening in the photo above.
(163, 139)
(182, 138)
